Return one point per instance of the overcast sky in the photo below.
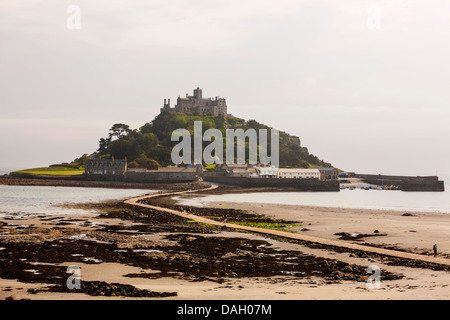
(363, 83)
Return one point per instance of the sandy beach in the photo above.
(410, 231)
(125, 252)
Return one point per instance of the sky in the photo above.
(362, 83)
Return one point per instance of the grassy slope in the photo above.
(57, 171)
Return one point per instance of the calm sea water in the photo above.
(36, 200)
(360, 199)
(20, 201)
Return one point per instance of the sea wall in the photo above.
(298, 184)
(406, 183)
(426, 185)
(134, 177)
(160, 176)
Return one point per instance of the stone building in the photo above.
(196, 103)
(236, 170)
(117, 170)
(328, 173)
(105, 169)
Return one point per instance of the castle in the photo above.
(197, 104)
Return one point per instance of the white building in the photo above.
(246, 172)
(267, 172)
(298, 173)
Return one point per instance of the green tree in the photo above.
(119, 149)
(82, 160)
(153, 140)
(147, 163)
(119, 130)
(103, 145)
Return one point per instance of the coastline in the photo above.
(166, 254)
(12, 181)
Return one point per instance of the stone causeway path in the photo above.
(295, 236)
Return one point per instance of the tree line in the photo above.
(150, 146)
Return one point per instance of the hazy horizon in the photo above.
(363, 89)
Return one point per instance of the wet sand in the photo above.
(126, 252)
(410, 231)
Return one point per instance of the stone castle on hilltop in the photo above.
(197, 104)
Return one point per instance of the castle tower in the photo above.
(166, 104)
(198, 93)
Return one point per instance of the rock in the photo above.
(341, 264)
(363, 278)
(349, 276)
(406, 214)
(348, 269)
(376, 231)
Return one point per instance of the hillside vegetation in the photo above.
(150, 146)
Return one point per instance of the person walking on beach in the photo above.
(224, 221)
(435, 249)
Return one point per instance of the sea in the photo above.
(438, 202)
(44, 200)
(25, 201)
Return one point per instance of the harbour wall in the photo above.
(298, 184)
(406, 183)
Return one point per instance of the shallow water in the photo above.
(20, 201)
(361, 199)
